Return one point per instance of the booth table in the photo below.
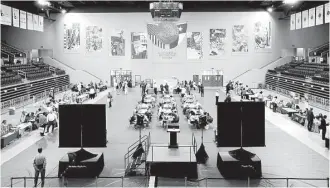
(299, 118)
(7, 138)
(21, 128)
(82, 98)
(288, 111)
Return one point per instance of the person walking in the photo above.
(216, 97)
(310, 119)
(51, 119)
(201, 88)
(109, 99)
(39, 164)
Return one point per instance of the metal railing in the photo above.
(142, 181)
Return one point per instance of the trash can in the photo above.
(12, 111)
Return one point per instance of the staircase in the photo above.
(132, 166)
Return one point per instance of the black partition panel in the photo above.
(82, 125)
(253, 123)
(241, 124)
(229, 124)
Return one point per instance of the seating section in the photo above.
(301, 70)
(11, 50)
(8, 78)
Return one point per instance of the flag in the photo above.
(153, 31)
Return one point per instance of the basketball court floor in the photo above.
(285, 154)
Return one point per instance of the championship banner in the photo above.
(166, 39)
(319, 15)
(41, 23)
(5, 15)
(71, 37)
(22, 19)
(29, 21)
(35, 22)
(293, 22)
(15, 17)
(305, 19)
(298, 20)
(311, 15)
(327, 13)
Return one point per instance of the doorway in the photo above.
(137, 80)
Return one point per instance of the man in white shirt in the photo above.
(216, 97)
(39, 164)
(260, 97)
(92, 93)
(51, 119)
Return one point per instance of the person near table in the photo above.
(4, 128)
(91, 93)
(155, 88)
(274, 103)
(243, 93)
(42, 121)
(216, 97)
(228, 98)
(228, 87)
(260, 97)
(202, 90)
(199, 86)
(51, 120)
(109, 99)
(323, 126)
(310, 119)
(39, 164)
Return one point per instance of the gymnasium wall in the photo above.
(101, 63)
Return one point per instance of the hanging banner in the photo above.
(311, 15)
(327, 13)
(218, 41)
(15, 17)
(71, 41)
(41, 23)
(194, 45)
(139, 45)
(293, 22)
(117, 43)
(5, 15)
(29, 21)
(305, 19)
(319, 15)
(22, 19)
(262, 36)
(298, 20)
(35, 22)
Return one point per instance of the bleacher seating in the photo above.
(11, 50)
(302, 78)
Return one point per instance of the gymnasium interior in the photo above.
(165, 93)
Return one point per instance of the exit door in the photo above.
(137, 80)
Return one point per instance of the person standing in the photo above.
(310, 119)
(228, 98)
(228, 87)
(274, 103)
(201, 88)
(39, 164)
(155, 88)
(109, 99)
(51, 119)
(216, 97)
(126, 88)
(323, 126)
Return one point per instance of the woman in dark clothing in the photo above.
(202, 90)
(109, 99)
(323, 126)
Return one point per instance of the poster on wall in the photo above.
(293, 22)
(139, 45)
(311, 15)
(35, 22)
(94, 39)
(240, 39)
(305, 19)
(22, 19)
(15, 17)
(298, 20)
(71, 37)
(319, 15)
(41, 23)
(5, 15)
(262, 35)
(217, 42)
(117, 43)
(29, 21)
(327, 13)
(194, 45)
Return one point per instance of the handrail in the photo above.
(8, 53)
(240, 74)
(62, 63)
(92, 74)
(321, 46)
(270, 63)
(10, 46)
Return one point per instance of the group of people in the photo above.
(142, 114)
(167, 111)
(123, 85)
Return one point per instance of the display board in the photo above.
(82, 126)
(241, 124)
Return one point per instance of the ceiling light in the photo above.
(290, 1)
(270, 9)
(63, 11)
(42, 2)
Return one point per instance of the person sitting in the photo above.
(243, 94)
(209, 119)
(202, 122)
(4, 128)
(175, 118)
(133, 119)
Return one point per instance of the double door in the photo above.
(212, 80)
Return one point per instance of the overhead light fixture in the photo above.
(63, 11)
(42, 2)
(270, 9)
(290, 1)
